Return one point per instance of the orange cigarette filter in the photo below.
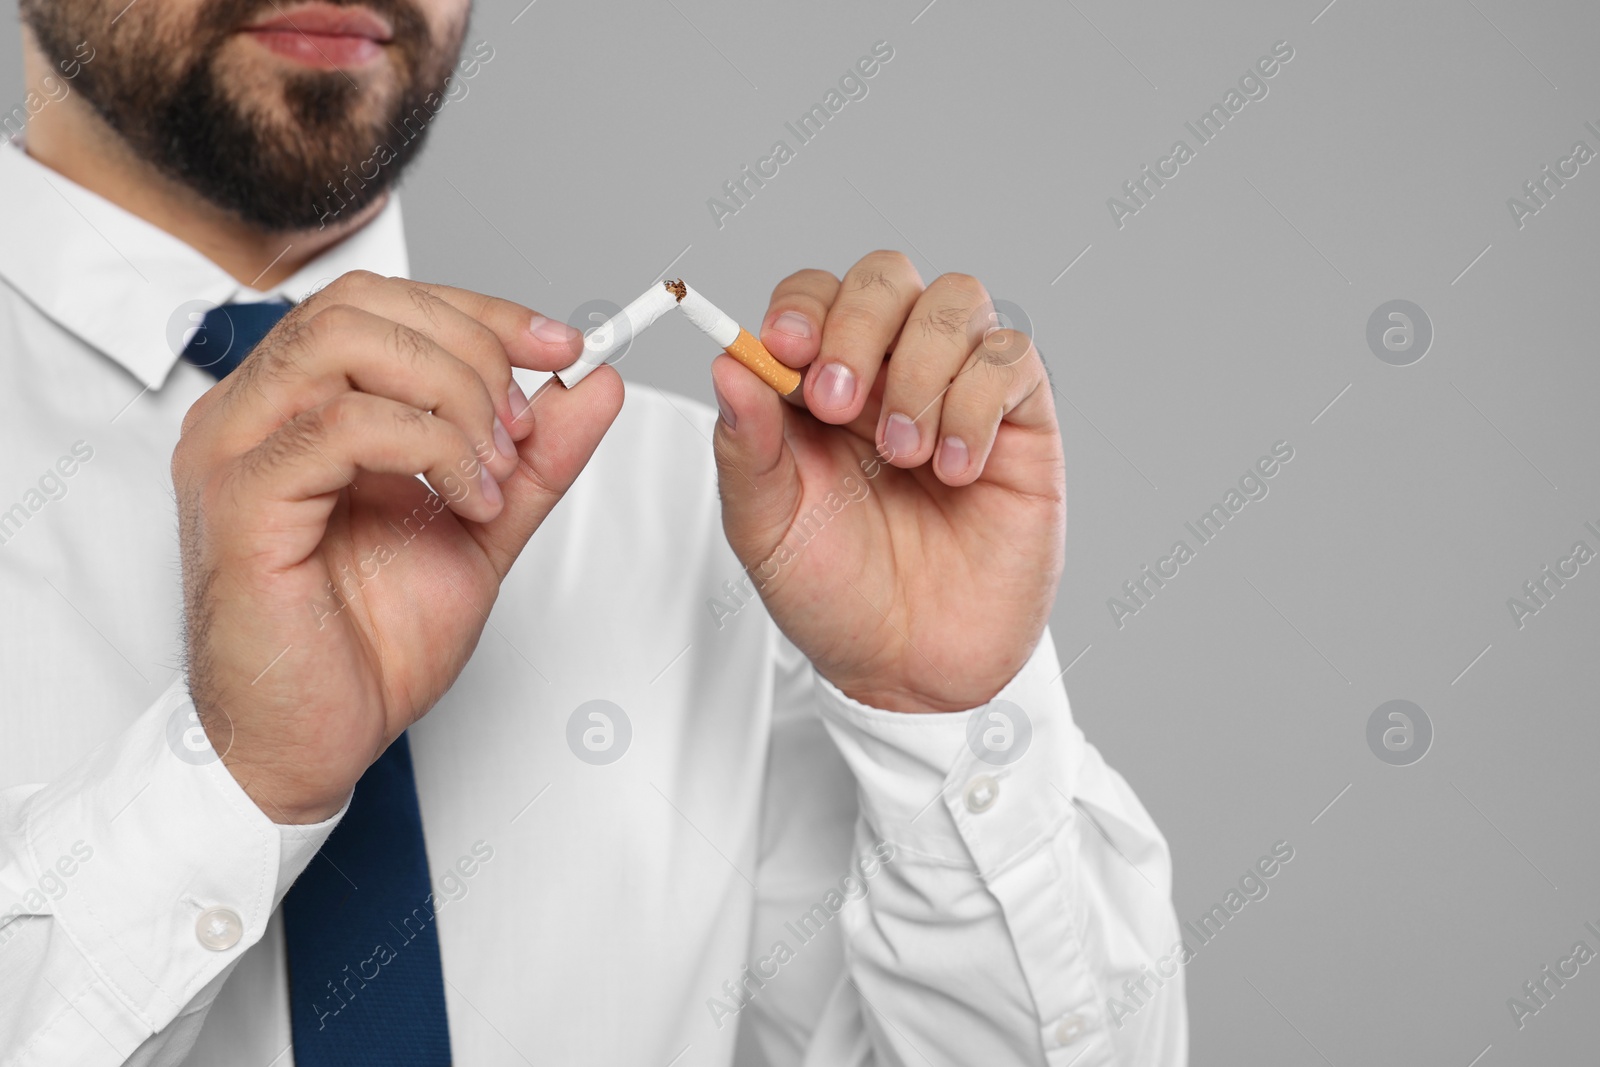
(753, 354)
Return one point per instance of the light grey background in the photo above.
(1222, 318)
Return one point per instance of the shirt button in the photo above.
(219, 929)
(1069, 1029)
(981, 794)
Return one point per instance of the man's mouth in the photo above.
(322, 35)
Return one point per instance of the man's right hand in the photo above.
(330, 598)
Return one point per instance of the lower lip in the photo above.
(326, 51)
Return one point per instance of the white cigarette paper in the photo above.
(710, 318)
(626, 325)
(617, 331)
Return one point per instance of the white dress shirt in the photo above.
(770, 874)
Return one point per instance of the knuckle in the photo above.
(327, 324)
(408, 344)
(807, 279)
(190, 453)
(192, 419)
(354, 284)
(1006, 347)
(425, 303)
(949, 320)
(1000, 361)
(338, 413)
(310, 427)
(963, 283)
(871, 278)
(887, 274)
(998, 365)
(888, 260)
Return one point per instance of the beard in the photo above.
(278, 152)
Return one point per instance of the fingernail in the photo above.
(953, 457)
(489, 488)
(519, 402)
(792, 323)
(836, 386)
(502, 440)
(722, 406)
(900, 436)
(550, 330)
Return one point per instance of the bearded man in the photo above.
(847, 820)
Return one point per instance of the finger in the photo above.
(532, 340)
(756, 471)
(1003, 381)
(489, 333)
(944, 328)
(468, 339)
(567, 427)
(792, 328)
(874, 299)
(308, 460)
(343, 347)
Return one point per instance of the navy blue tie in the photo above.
(228, 333)
(366, 988)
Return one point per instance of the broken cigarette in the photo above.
(627, 324)
(615, 333)
(735, 339)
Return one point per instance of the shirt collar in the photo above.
(130, 289)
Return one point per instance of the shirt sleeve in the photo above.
(129, 889)
(1006, 898)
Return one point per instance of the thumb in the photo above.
(567, 427)
(756, 470)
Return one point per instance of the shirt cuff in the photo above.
(981, 788)
(174, 869)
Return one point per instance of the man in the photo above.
(804, 789)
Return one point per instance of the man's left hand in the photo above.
(906, 526)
